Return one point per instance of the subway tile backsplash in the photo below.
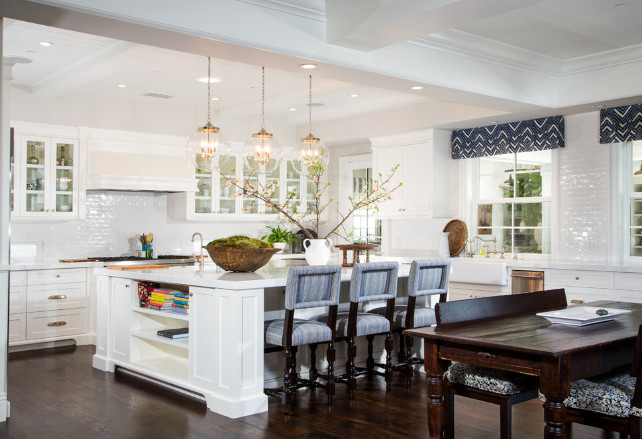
(113, 222)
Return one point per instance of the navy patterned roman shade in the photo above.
(526, 135)
(621, 124)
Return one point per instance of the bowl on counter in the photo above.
(240, 259)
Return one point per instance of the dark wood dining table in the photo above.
(529, 344)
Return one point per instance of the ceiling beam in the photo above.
(372, 24)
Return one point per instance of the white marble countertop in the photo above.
(52, 265)
(564, 265)
(274, 274)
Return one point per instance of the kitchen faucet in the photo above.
(471, 253)
(201, 261)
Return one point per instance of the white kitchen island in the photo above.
(222, 359)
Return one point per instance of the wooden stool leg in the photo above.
(313, 366)
(370, 361)
(352, 353)
(389, 348)
(287, 391)
(505, 415)
(401, 356)
(329, 386)
(409, 369)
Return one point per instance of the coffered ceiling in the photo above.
(477, 59)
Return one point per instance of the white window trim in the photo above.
(469, 176)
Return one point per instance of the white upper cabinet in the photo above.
(45, 176)
(215, 198)
(424, 169)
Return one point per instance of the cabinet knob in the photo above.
(57, 275)
(127, 286)
(191, 294)
(60, 323)
(577, 278)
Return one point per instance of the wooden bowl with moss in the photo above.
(240, 253)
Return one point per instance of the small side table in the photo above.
(356, 249)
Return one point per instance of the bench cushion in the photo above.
(367, 323)
(606, 394)
(490, 380)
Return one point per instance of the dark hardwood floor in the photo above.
(59, 395)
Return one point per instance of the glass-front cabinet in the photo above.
(216, 197)
(48, 181)
(636, 199)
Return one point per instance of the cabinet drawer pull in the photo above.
(60, 323)
(577, 301)
(57, 297)
(486, 355)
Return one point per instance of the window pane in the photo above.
(528, 215)
(493, 215)
(503, 239)
(534, 160)
(531, 240)
(492, 187)
(636, 242)
(496, 164)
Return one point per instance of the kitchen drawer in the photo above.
(55, 323)
(578, 278)
(17, 327)
(17, 278)
(65, 275)
(628, 281)
(17, 299)
(57, 296)
(628, 296)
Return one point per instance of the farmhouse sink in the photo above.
(476, 271)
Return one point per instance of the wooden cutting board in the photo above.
(76, 260)
(136, 267)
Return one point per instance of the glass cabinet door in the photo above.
(64, 172)
(203, 199)
(273, 178)
(227, 191)
(35, 174)
(293, 185)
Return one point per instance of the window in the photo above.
(513, 201)
(357, 177)
(635, 190)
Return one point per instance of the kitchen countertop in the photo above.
(564, 265)
(53, 265)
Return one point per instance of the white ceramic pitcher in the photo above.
(317, 251)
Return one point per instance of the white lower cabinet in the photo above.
(628, 287)
(120, 304)
(48, 305)
(460, 291)
(581, 286)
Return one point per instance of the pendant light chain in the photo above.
(263, 98)
(209, 82)
(310, 104)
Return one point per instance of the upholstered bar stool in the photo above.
(427, 277)
(307, 287)
(369, 282)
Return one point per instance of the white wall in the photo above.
(113, 222)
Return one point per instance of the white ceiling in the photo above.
(524, 57)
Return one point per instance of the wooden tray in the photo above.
(136, 267)
(457, 236)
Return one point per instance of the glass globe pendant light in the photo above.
(208, 141)
(262, 152)
(311, 151)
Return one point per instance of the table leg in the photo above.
(554, 383)
(436, 387)
(367, 255)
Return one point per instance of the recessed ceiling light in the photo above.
(354, 95)
(211, 79)
(599, 106)
(121, 85)
(416, 87)
(46, 43)
(292, 109)
(216, 98)
(308, 66)
(620, 5)
(493, 122)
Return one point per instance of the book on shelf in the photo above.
(174, 332)
(181, 302)
(179, 310)
(181, 295)
(180, 305)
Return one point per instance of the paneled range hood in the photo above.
(131, 161)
